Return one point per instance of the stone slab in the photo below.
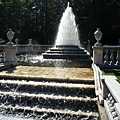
(48, 72)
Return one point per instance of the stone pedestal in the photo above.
(10, 54)
(30, 48)
(97, 55)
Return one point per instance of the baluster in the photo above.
(118, 57)
(3, 56)
(42, 48)
(106, 57)
(45, 48)
(112, 62)
(88, 46)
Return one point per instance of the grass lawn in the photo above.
(115, 73)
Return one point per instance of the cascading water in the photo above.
(67, 32)
(47, 100)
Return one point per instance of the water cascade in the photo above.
(47, 100)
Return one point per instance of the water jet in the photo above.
(67, 43)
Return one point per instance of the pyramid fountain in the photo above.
(67, 51)
(67, 44)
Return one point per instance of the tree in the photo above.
(98, 13)
(39, 19)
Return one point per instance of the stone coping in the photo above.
(113, 86)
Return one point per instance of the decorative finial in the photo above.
(10, 36)
(98, 35)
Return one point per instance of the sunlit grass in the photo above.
(115, 73)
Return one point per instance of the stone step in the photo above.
(45, 114)
(68, 46)
(65, 52)
(49, 101)
(56, 88)
(17, 77)
(66, 56)
(67, 49)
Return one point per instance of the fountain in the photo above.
(68, 32)
(67, 51)
(67, 44)
(46, 98)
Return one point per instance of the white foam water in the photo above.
(68, 31)
(3, 117)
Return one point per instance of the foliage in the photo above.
(2, 41)
(104, 14)
(39, 19)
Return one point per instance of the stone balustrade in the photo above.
(108, 56)
(107, 89)
(32, 48)
(41, 48)
(111, 55)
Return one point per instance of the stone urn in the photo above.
(10, 36)
(98, 35)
